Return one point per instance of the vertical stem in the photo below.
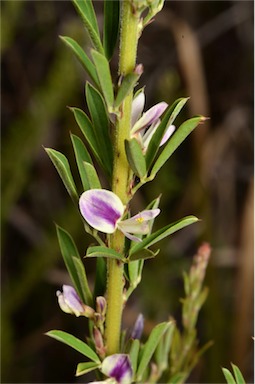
(128, 48)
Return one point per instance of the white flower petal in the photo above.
(149, 133)
(170, 130)
(149, 117)
(137, 107)
(138, 224)
(129, 236)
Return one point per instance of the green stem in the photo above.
(115, 278)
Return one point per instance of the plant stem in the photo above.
(115, 279)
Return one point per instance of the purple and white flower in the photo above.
(70, 302)
(103, 210)
(118, 367)
(145, 124)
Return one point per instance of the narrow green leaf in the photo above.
(88, 131)
(81, 155)
(83, 280)
(74, 343)
(101, 126)
(82, 57)
(178, 105)
(186, 280)
(99, 251)
(198, 354)
(163, 348)
(202, 298)
(134, 353)
(104, 76)
(178, 378)
(83, 368)
(179, 136)
(80, 150)
(134, 275)
(111, 26)
(61, 164)
(86, 10)
(150, 346)
(91, 175)
(143, 254)
(127, 85)
(133, 269)
(238, 374)
(69, 252)
(167, 120)
(86, 127)
(228, 376)
(162, 233)
(100, 279)
(135, 157)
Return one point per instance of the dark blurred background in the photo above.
(201, 49)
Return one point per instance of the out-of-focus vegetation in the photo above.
(194, 48)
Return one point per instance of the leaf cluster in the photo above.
(166, 356)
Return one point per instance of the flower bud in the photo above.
(139, 69)
(138, 327)
(101, 305)
(99, 343)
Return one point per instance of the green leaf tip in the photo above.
(104, 76)
(62, 166)
(74, 343)
(111, 26)
(135, 157)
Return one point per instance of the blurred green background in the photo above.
(201, 49)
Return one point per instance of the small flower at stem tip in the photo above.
(101, 305)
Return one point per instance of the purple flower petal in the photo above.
(101, 209)
(138, 327)
(119, 367)
(137, 107)
(146, 137)
(149, 117)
